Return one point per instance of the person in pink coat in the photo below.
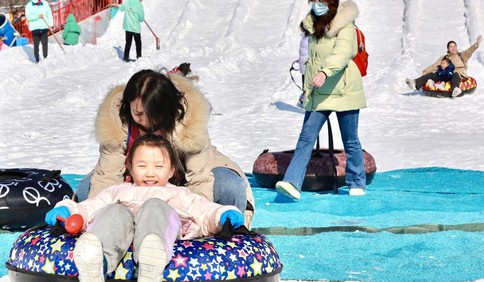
(150, 213)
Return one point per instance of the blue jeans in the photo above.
(82, 190)
(229, 188)
(313, 122)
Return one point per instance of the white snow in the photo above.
(242, 50)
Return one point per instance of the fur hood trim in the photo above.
(191, 135)
(108, 128)
(347, 13)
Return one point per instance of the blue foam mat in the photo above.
(407, 197)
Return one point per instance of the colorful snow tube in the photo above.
(27, 194)
(468, 86)
(36, 255)
(270, 167)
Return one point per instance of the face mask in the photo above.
(320, 9)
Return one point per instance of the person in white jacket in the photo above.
(303, 56)
(150, 212)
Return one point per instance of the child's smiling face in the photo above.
(151, 166)
(444, 64)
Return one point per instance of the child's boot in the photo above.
(88, 256)
(152, 259)
(441, 86)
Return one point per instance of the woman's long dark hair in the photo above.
(321, 24)
(162, 103)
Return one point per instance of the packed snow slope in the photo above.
(242, 50)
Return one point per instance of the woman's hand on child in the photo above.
(235, 217)
(51, 216)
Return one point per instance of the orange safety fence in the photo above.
(82, 9)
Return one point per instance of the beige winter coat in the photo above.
(199, 216)
(459, 60)
(333, 54)
(190, 139)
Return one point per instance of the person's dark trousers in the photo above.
(419, 82)
(40, 36)
(127, 47)
(455, 81)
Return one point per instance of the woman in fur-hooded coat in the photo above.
(332, 84)
(190, 139)
(333, 54)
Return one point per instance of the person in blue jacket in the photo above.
(133, 16)
(39, 15)
(71, 31)
(445, 72)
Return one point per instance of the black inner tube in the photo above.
(12, 174)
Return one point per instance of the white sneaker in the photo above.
(430, 83)
(456, 92)
(441, 86)
(152, 259)
(88, 256)
(410, 83)
(357, 192)
(288, 190)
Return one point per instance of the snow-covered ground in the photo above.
(242, 52)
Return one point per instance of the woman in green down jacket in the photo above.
(71, 31)
(333, 84)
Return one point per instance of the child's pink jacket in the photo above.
(199, 216)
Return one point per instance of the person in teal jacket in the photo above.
(133, 16)
(71, 31)
(39, 15)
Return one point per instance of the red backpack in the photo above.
(361, 58)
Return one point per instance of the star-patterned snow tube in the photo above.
(468, 86)
(270, 167)
(27, 194)
(38, 256)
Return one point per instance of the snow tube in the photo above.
(38, 256)
(7, 32)
(270, 167)
(468, 86)
(27, 194)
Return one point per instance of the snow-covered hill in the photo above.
(242, 50)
